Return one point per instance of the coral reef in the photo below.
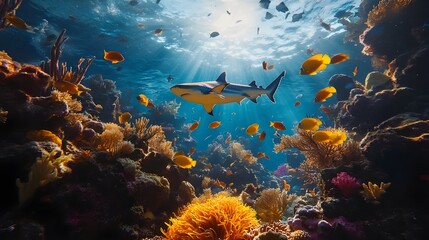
(401, 137)
(46, 169)
(104, 92)
(8, 7)
(212, 217)
(271, 204)
(320, 154)
(372, 192)
(346, 183)
(384, 9)
(343, 84)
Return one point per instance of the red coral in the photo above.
(346, 183)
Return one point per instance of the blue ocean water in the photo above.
(186, 52)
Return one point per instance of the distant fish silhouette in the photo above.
(269, 15)
(214, 34)
(264, 3)
(282, 7)
(296, 17)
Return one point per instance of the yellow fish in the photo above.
(64, 86)
(228, 139)
(278, 125)
(341, 57)
(178, 153)
(124, 117)
(355, 71)
(315, 64)
(252, 129)
(338, 137)
(215, 124)
(286, 186)
(194, 126)
(114, 57)
(324, 94)
(143, 99)
(322, 136)
(310, 124)
(17, 22)
(158, 31)
(184, 161)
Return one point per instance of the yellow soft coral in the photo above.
(46, 169)
(212, 217)
(44, 136)
(372, 192)
(385, 8)
(271, 204)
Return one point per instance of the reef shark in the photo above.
(220, 91)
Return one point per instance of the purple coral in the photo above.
(281, 170)
(346, 183)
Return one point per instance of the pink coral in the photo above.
(346, 183)
(281, 170)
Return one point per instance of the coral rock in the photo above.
(399, 147)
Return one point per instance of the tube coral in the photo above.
(271, 204)
(214, 217)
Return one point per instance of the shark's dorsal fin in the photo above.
(219, 88)
(221, 78)
(253, 84)
(209, 108)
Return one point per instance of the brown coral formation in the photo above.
(271, 204)
(320, 154)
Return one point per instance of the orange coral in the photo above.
(372, 192)
(44, 136)
(271, 204)
(383, 9)
(212, 217)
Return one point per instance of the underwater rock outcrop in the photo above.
(363, 112)
(398, 146)
(104, 92)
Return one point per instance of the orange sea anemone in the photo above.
(215, 217)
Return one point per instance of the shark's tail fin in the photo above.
(272, 88)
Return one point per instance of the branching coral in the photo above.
(383, 9)
(153, 135)
(7, 7)
(238, 152)
(320, 154)
(271, 204)
(212, 217)
(73, 104)
(112, 140)
(372, 192)
(46, 169)
(61, 75)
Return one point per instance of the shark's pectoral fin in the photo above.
(253, 99)
(209, 108)
(219, 88)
